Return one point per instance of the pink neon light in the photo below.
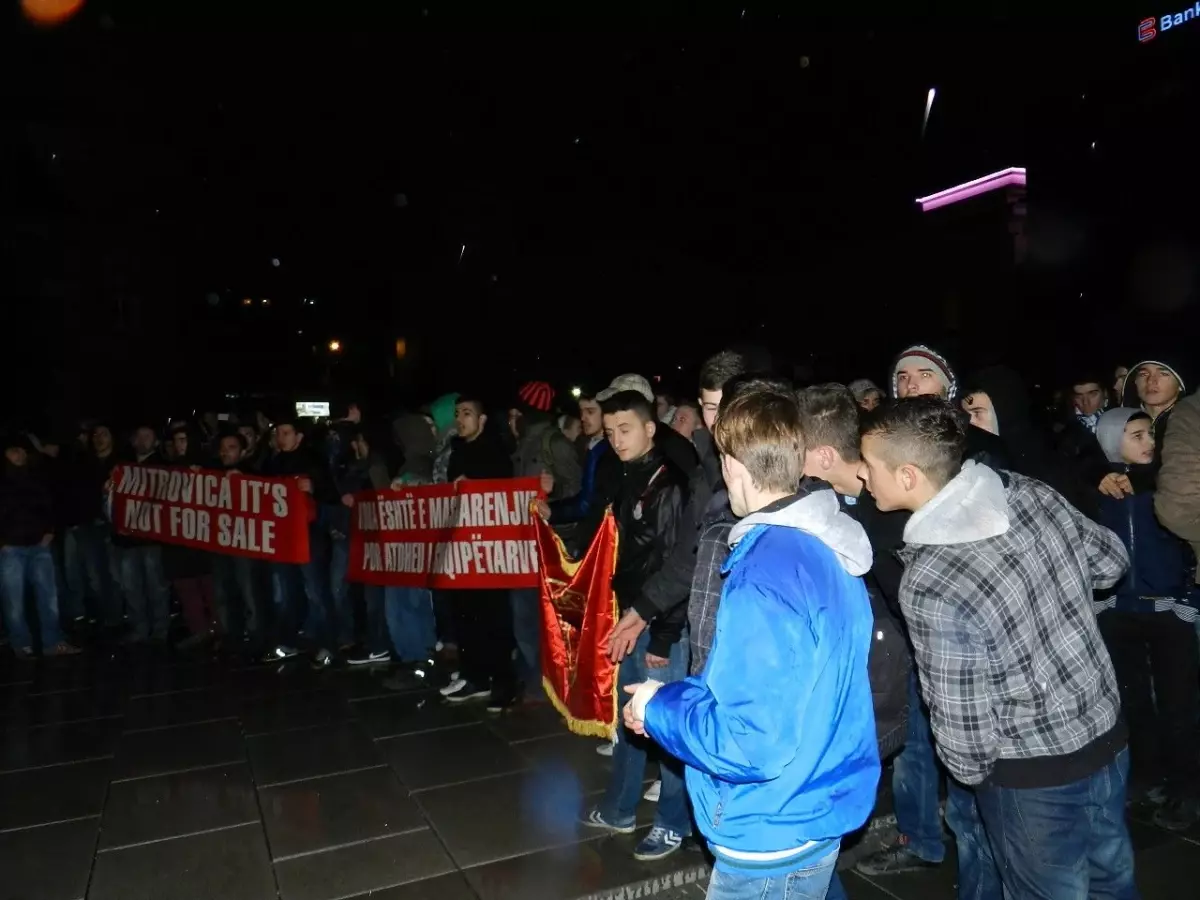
(1002, 179)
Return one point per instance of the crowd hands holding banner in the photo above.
(811, 583)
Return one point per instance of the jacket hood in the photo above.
(412, 434)
(1111, 428)
(973, 506)
(441, 411)
(933, 356)
(1009, 396)
(1129, 396)
(817, 513)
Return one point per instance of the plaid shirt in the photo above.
(707, 582)
(1011, 660)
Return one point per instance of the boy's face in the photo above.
(468, 421)
(983, 414)
(918, 381)
(1137, 444)
(885, 484)
(1089, 397)
(630, 437)
(710, 402)
(685, 421)
(230, 450)
(589, 416)
(1156, 385)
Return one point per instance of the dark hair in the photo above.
(236, 435)
(720, 368)
(927, 432)
(829, 418)
(589, 396)
(688, 403)
(289, 419)
(629, 401)
(761, 430)
(475, 400)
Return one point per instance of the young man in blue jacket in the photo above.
(778, 731)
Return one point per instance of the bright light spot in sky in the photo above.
(576, 392)
(275, 262)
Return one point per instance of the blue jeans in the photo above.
(626, 784)
(527, 630)
(21, 566)
(915, 781)
(236, 594)
(1063, 843)
(91, 561)
(339, 591)
(812, 882)
(410, 625)
(301, 594)
(147, 594)
(978, 878)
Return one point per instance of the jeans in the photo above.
(812, 882)
(144, 585)
(68, 580)
(339, 592)
(90, 558)
(236, 594)
(1063, 843)
(21, 566)
(978, 878)
(626, 784)
(196, 599)
(915, 780)
(301, 594)
(527, 629)
(410, 627)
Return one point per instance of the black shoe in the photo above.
(1179, 814)
(467, 691)
(501, 701)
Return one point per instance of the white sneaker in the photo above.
(454, 685)
(652, 792)
(606, 749)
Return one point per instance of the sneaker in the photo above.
(363, 658)
(500, 701)
(594, 820)
(283, 651)
(322, 659)
(658, 844)
(652, 792)
(467, 691)
(892, 860)
(606, 749)
(455, 684)
(1178, 815)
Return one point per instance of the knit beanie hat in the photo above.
(925, 358)
(537, 395)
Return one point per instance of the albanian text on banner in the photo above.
(471, 534)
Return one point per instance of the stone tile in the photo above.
(435, 758)
(406, 713)
(525, 723)
(305, 816)
(307, 753)
(362, 868)
(274, 680)
(168, 806)
(1163, 872)
(539, 808)
(145, 753)
(568, 757)
(577, 870)
(441, 887)
(231, 864)
(48, 863)
(298, 709)
(153, 677)
(66, 706)
(180, 708)
(26, 748)
(52, 794)
(858, 888)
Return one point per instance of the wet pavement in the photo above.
(151, 776)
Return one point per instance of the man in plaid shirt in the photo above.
(997, 588)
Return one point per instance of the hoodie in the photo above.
(997, 594)
(1129, 398)
(416, 439)
(441, 411)
(778, 732)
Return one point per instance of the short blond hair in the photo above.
(761, 430)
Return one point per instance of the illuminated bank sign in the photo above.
(1148, 29)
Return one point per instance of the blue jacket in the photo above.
(778, 731)
(572, 509)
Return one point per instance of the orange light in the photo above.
(401, 348)
(48, 13)
(335, 346)
(247, 302)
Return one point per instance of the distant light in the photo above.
(929, 98)
(247, 302)
(576, 392)
(401, 348)
(335, 346)
(275, 262)
(48, 13)
(53, 156)
(680, 368)
(266, 302)
(1093, 145)
(966, 190)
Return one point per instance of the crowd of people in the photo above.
(812, 582)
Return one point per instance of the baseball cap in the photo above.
(627, 382)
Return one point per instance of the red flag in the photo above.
(579, 612)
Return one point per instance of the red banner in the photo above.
(222, 512)
(471, 534)
(579, 612)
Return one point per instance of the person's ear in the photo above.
(826, 458)
(482, 420)
(651, 428)
(908, 476)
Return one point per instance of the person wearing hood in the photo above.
(1023, 701)
(777, 732)
(441, 414)
(1177, 500)
(997, 402)
(866, 393)
(26, 533)
(1148, 624)
(1154, 387)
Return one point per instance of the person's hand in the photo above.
(348, 500)
(632, 722)
(1116, 486)
(543, 510)
(625, 635)
(548, 483)
(656, 662)
(305, 484)
(47, 540)
(460, 478)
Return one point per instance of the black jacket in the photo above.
(26, 508)
(648, 508)
(484, 457)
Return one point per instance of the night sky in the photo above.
(513, 197)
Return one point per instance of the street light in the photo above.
(335, 346)
(576, 392)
